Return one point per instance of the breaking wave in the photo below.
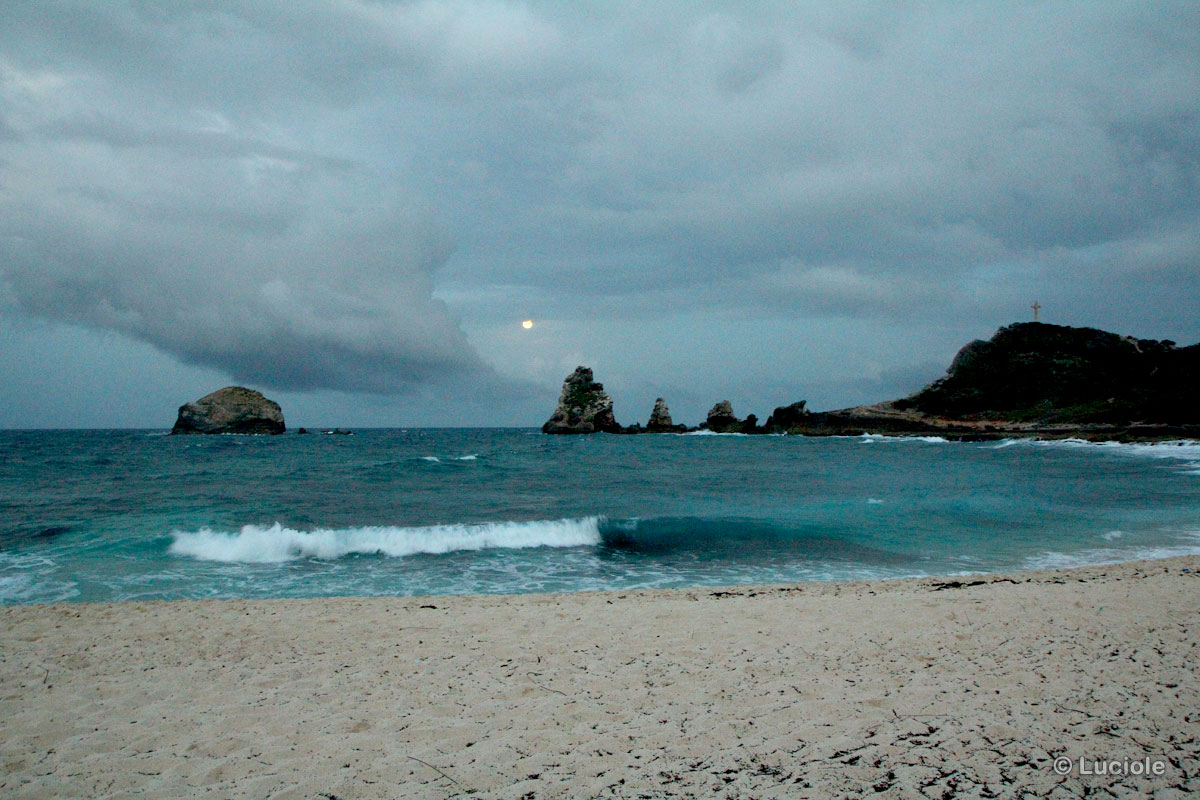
(871, 438)
(260, 544)
(437, 460)
(690, 537)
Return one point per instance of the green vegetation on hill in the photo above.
(1035, 372)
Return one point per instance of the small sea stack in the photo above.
(660, 419)
(721, 419)
(583, 407)
(234, 409)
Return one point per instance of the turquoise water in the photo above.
(138, 515)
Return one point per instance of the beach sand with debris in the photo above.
(972, 686)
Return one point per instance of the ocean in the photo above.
(139, 515)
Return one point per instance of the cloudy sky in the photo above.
(351, 205)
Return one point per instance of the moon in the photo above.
(527, 324)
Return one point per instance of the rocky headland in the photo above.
(721, 419)
(1051, 381)
(234, 409)
(1029, 379)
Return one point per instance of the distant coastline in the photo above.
(1030, 379)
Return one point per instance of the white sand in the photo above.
(886, 689)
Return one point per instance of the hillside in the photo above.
(1032, 377)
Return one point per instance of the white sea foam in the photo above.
(1185, 450)
(434, 459)
(874, 501)
(1112, 535)
(711, 433)
(32, 578)
(871, 438)
(1187, 545)
(259, 544)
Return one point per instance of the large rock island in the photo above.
(583, 407)
(233, 409)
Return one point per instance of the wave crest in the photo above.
(871, 438)
(260, 544)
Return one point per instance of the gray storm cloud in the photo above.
(217, 240)
(368, 195)
(282, 273)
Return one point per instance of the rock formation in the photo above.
(784, 418)
(233, 409)
(721, 419)
(1055, 373)
(1032, 378)
(1029, 379)
(583, 407)
(660, 419)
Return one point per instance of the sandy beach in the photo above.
(952, 687)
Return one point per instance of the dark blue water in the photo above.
(134, 515)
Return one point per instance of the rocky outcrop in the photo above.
(660, 420)
(660, 416)
(233, 409)
(784, 418)
(721, 419)
(1029, 379)
(583, 407)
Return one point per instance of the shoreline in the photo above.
(967, 685)
(949, 580)
(813, 586)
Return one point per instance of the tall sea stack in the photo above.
(583, 407)
(660, 419)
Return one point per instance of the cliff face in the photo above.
(233, 409)
(1057, 374)
(583, 407)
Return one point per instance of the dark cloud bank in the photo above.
(818, 200)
